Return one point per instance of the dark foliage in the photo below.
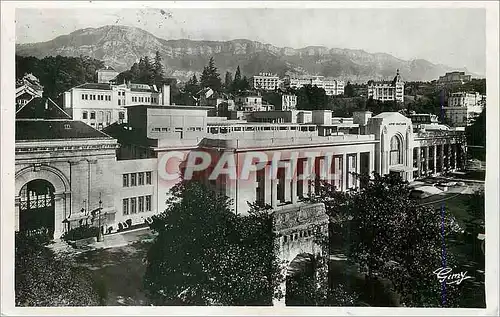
(59, 74)
(43, 280)
(311, 98)
(476, 135)
(210, 77)
(389, 235)
(205, 254)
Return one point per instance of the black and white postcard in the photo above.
(282, 158)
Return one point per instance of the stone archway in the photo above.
(60, 196)
(299, 226)
(300, 279)
(36, 207)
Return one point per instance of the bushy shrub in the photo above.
(82, 232)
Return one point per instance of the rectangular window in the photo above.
(85, 115)
(133, 205)
(148, 178)
(148, 203)
(141, 204)
(121, 115)
(119, 102)
(92, 115)
(125, 180)
(125, 206)
(83, 97)
(133, 179)
(141, 178)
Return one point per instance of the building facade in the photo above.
(265, 81)
(106, 75)
(101, 104)
(463, 107)
(387, 91)
(454, 78)
(27, 88)
(332, 87)
(69, 174)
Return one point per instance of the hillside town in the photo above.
(239, 188)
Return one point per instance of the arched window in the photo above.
(396, 157)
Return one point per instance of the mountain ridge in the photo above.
(120, 46)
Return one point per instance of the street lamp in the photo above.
(99, 234)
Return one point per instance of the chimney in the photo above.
(165, 95)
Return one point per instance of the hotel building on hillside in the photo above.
(385, 90)
(463, 107)
(265, 81)
(101, 104)
(332, 87)
(106, 75)
(123, 170)
(454, 78)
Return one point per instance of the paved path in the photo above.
(113, 240)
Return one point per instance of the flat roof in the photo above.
(147, 106)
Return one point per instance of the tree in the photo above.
(244, 84)
(311, 97)
(349, 90)
(209, 255)
(228, 81)
(43, 280)
(389, 235)
(58, 74)
(158, 69)
(192, 86)
(210, 77)
(476, 136)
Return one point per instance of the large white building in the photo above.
(462, 107)
(387, 91)
(85, 170)
(454, 78)
(265, 81)
(332, 87)
(101, 104)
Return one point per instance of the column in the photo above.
(59, 211)
(426, 159)
(441, 157)
(291, 180)
(449, 157)
(371, 160)
(267, 185)
(358, 168)
(274, 193)
(418, 161)
(17, 212)
(435, 159)
(286, 183)
(344, 166)
(454, 156)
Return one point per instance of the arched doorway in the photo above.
(37, 207)
(301, 281)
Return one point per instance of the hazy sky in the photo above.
(455, 37)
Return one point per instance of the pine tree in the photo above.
(158, 69)
(228, 81)
(237, 80)
(210, 77)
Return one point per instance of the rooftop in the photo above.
(28, 129)
(98, 86)
(41, 108)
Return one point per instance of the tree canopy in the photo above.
(311, 98)
(43, 280)
(389, 235)
(209, 255)
(210, 77)
(58, 74)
